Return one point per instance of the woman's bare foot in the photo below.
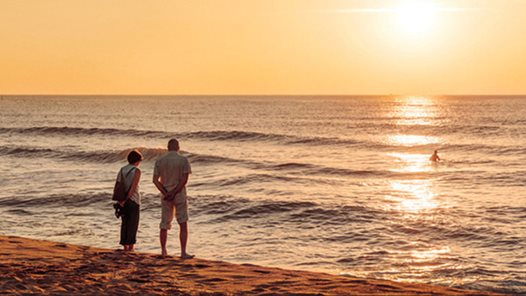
(164, 253)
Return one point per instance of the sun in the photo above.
(417, 17)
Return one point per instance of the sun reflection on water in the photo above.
(412, 140)
(414, 193)
(413, 196)
(415, 110)
(423, 260)
(429, 255)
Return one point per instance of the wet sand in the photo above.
(40, 267)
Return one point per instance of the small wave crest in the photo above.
(263, 175)
(217, 135)
(90, 156)
(223, 208)
(57, 200)
(149, 154)
(79, 131)
(250, 136)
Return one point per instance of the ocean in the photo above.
(338, 184)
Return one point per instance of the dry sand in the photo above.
(40, 267)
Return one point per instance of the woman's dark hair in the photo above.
(134, 156)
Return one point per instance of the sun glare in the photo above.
(413, 195)
(413, 140)
(417, 16)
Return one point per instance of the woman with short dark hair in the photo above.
(130, 207)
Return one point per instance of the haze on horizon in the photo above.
(263, 47)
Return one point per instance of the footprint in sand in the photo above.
(258, 290)
(212, 280)
(139, 280)
(267, 287)
(201, 266)
(239, 277)
(192, 276)
(282, 283)
(318, 280)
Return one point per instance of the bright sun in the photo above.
(417, 16)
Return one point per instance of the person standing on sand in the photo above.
(434, 157)
(170, 176)
(130, 207)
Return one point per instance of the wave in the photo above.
(149, 154)
(79, 131)
(230, 207)
(259, 178)
(57, 200)
(242, 136)
(93, 156)
(265, 169)
(486, 149)
(247, 136)
(216, 207)
(236, 135)
(224, 208)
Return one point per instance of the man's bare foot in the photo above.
(164, 253)
(187, 256)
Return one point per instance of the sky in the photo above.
(181, 47)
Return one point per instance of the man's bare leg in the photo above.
(183, 238)
(162, 237)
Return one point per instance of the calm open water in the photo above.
(335, 184)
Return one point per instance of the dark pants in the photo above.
(130, 223)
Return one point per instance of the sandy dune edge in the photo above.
(40, 267)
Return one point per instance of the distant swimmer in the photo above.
(434, 157)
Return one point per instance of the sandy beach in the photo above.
(41, 267)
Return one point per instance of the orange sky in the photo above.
(262, 47)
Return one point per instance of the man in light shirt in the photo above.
(170, 176)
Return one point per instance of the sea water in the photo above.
(335, 184)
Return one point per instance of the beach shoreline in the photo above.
(31, 266)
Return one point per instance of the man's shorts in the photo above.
(177, 206)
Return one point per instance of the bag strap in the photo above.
(123, 178)
(130, 172)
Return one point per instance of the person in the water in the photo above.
(434, 157)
